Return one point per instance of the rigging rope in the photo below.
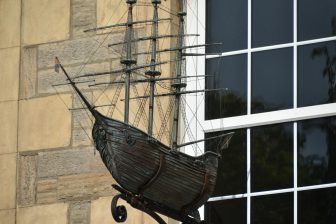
(187, 129)
(139, 113)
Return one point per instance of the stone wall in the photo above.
(49, 171)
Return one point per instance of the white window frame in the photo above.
(196, 20)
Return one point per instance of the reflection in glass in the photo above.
(317, 151)
(229, 73)
(275, 209)
(272, 22)
(272, 80)
(226, 23)
(231, 174)
(229, 211)
(316, 19)
(316, 74)
(272, 157)
(317, 206)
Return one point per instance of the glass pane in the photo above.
(317, 206)
(316, 19)
(316, 74)
(229, 73)
(317, 151)
(275, 209)
(272, 80)
(272, 22)
(272, 157)
(226, 23)
(229, 211)
(231, 175)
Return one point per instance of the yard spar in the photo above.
(152, 176)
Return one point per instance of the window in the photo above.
(275, 76)
(272, 80)
(316, 19)
(232, 168)
(234, 211)
(271, 157)
(229, 75)
(226, 24)
(316, 74)
(277, 28)
(317, 206)
(275, 209)
(317, 151)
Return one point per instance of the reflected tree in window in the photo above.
(272, 209)
(272, 80)
(229, 74)
(317, 206)
(224, 103)
(272, 157)
(317, 151)
(316, 72)
(329, 70)
(231, 175)
(324, 171)
(231, 211)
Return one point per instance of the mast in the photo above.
(128, 61)
(177, 85)
(152, 73)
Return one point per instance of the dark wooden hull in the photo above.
(176, 182)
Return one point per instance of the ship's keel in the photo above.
(119, 212)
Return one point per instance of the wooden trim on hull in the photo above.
(157, 174)
(177, 181)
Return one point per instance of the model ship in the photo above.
(153, 177)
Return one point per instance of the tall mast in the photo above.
(177, 85)
(128, 61)
(152, 73)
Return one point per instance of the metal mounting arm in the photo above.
(119, 213)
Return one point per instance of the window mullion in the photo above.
(249, 99)
(295, 94)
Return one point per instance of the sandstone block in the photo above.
(27, 180)
(51, 214)
(47, 78)
(110, 12)
(10, 12)
(68, 162)
(45, 21)
(28, 76)
(82, 136)
(79, 51)
(7, 216)
(7, 180)
(83, 16)
(8, 127)
(78, 103)
(79, 212)
(112, 97)
(84, 186)
(82, 122)
(9, 78)
(44, 123)
(46, 192)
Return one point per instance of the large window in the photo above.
(276, 78)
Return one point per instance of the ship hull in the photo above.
(176, 182)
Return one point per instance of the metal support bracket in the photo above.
(119, 213)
